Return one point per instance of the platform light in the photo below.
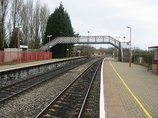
(130, 58)
(49, 36)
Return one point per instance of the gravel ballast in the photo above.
(30, 103)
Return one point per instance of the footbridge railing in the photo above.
(82, 40)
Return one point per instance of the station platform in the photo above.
(25, 64)
(32, 63)
(129, 92)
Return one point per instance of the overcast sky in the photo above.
(110, 17)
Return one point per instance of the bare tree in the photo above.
(43, 19)
(26, 14)
(16, 8)
(40, 17)
(15, 17)
(3, 13)
(36, 26)
(30, 22)
(30, 16)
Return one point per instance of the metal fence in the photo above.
(20, 56)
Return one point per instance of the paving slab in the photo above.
(129, 92)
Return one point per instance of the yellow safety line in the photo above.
(136, 99)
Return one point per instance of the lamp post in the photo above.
(49, 36)
(117, 48)
(18, 35)
(88, 35)
(130, 59)
(60, 33)
(124, 39)
(67, 52)
(18, 28)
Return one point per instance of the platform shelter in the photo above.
(154, 58)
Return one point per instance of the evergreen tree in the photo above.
(14, 39)
(59, 24)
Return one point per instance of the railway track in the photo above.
(8, 92)
(71, 101)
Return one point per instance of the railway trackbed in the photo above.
(8, 92)
(70, 103)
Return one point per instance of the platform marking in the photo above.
(134, 96)
(102, 103)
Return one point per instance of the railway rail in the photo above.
(8, 92)
(71, 101)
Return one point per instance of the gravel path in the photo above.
(29, 104)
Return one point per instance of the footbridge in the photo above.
(85, 40)
(82, 40)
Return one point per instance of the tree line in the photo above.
(24, 17)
